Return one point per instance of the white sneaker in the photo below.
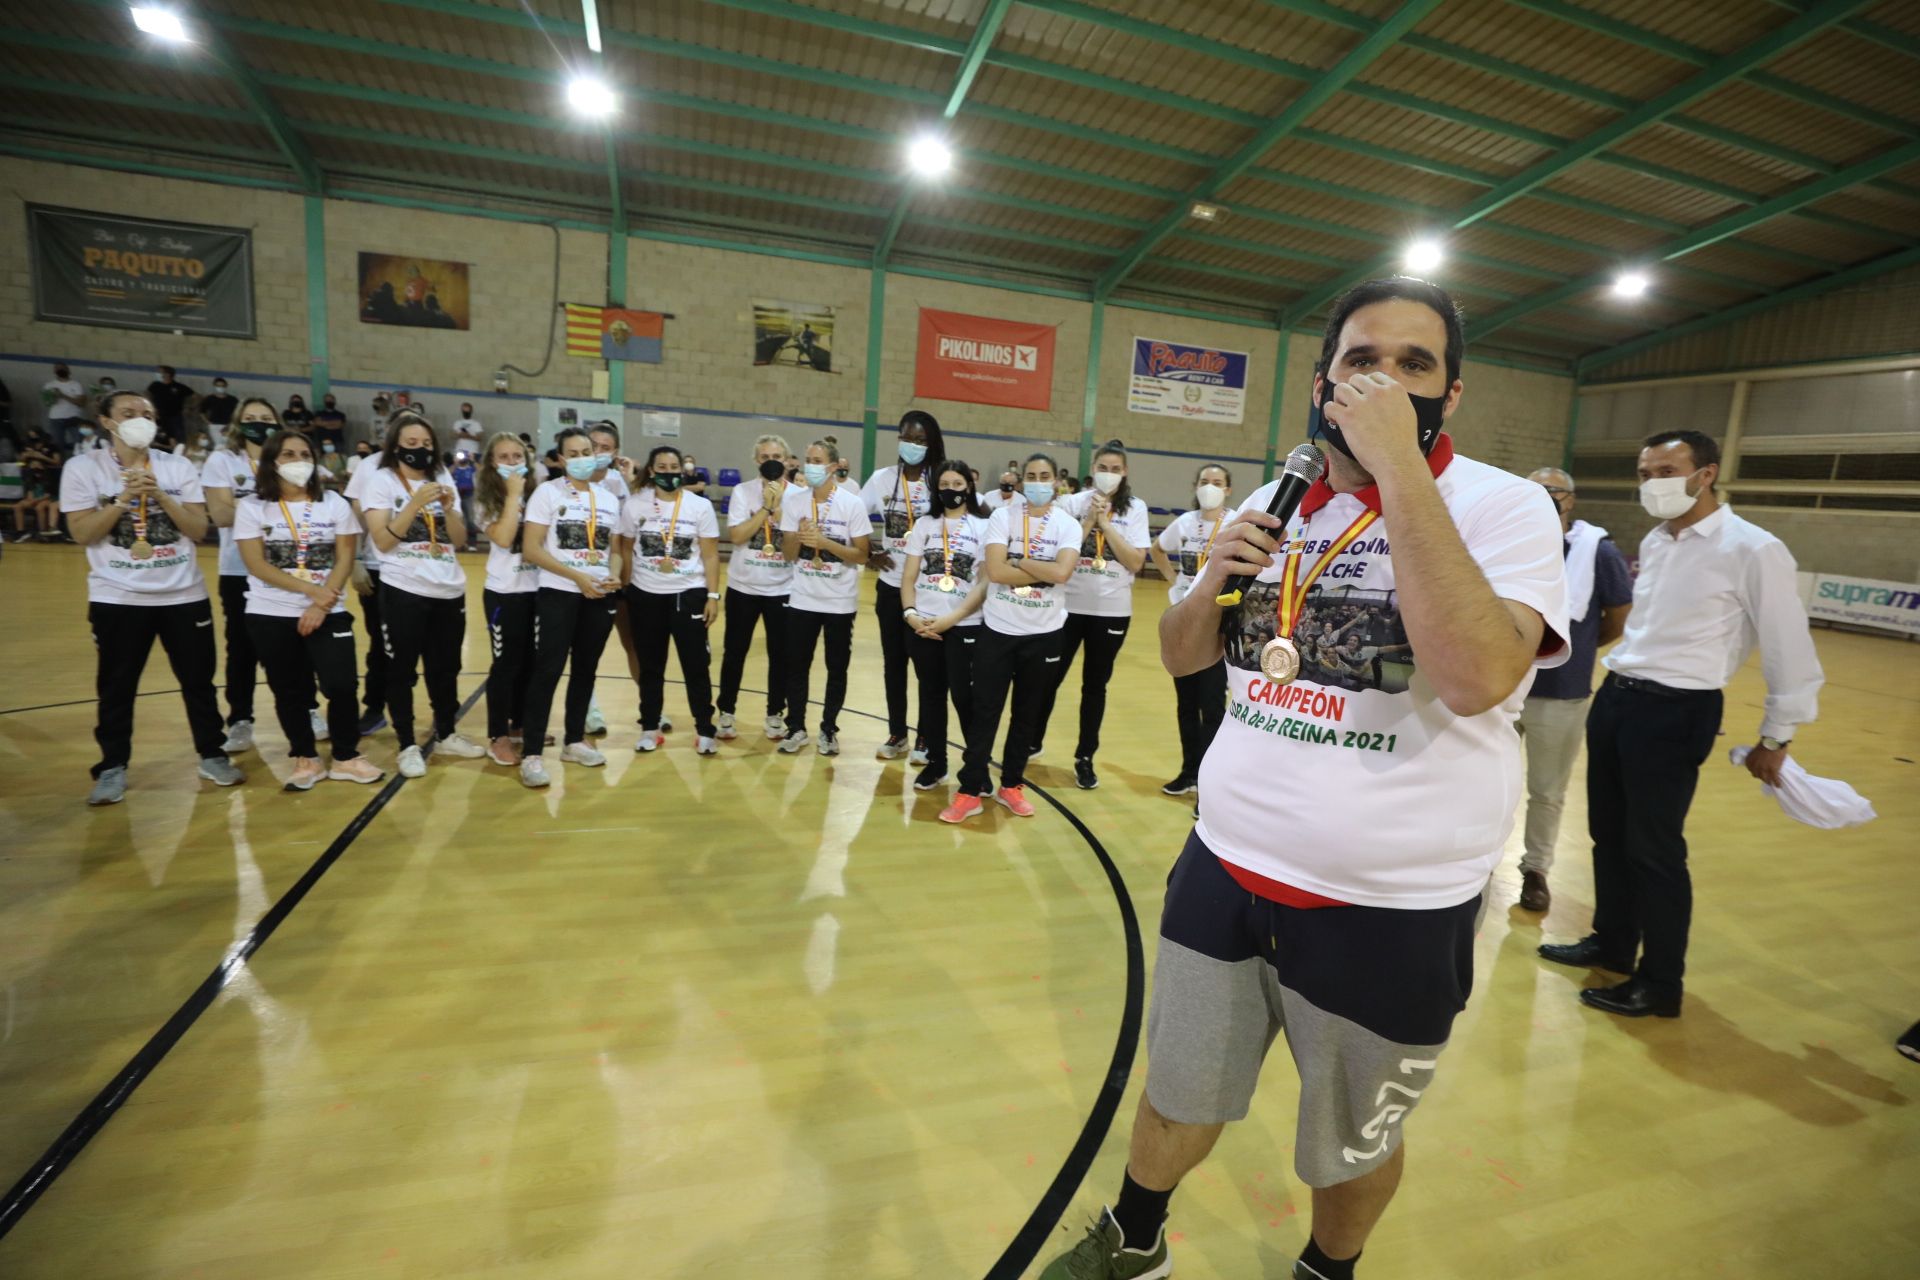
(412, 763)
(724, 729)
(239, 737)
(460, 746)
(596, 720)
(891, 749)
(829, 744)
(533, 773)
(706, 746)
(666, 724)
(581, 753)
(648, 741)
(318, 720)
(776, 727)
(794, 743)
(918, 757)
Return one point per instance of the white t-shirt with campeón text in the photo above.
(1042, 607)
(823, 582)
(1105, 591)
(951, 547)
(1189, 541)
(1355, 781)
(423, 564)
(898, 502)
(757, 567)
(115, 573)
(666, 533)
(319, 522)
(581, 524)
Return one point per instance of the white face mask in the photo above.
(295, 473)
(137, 433)
(1210, 497)
(1107, 481)
(1666, 497)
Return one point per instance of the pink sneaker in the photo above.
(359, 769)
(503, 752)
(306, 773)
(1015, 799)
(963, 807)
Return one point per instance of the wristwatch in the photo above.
(1774, 744)
(713, 595)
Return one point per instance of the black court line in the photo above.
(1013, 1261)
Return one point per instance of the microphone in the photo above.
(1305, 465)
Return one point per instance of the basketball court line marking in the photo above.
(1014, 1259)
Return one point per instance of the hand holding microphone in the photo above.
(1305, 465)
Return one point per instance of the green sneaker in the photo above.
(1100, 1256)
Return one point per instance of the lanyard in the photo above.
(946, 549)
(433, 530)
(903, 488)
(1292, 598)
(593, 521)
(666, 562)
(771, 521)
(1218, 521)
(298, 533)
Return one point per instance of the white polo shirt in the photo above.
(1043, 606)
(1361, 786)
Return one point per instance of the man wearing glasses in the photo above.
(1554, 720)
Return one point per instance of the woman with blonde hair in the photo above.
(501, 485)
(759, 580)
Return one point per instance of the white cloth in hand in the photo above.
(1819, 802)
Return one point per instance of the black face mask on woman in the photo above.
(953, 499)
(420, 459)
(772, 469)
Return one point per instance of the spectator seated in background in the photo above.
(37, 513)
(333, 464)
(297, 417)
(697, 478)
(330, 425)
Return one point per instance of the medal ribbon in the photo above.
(433, 529)
(667, 531)
(946, 549)
(299, 534)
(593, 524)
(1208, 549)
(902, 485)
(140, 514)
(771, 522)
(1291, 597)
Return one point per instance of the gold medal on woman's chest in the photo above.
(1280, 660)
(141, 549)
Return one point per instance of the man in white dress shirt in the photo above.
(1711, 587)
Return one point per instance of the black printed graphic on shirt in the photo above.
(571, 535)
(653, 545)
(897, 520)
(1091, 545)
(934, 564)
(1348, 638)
(1190, 563)
(160, 527)
(286, 555)
(418, 531)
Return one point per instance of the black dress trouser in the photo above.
(743, 613)
(1199, 705)
(1026, 667)
(894, 634)
(293, 663)
(1644, 752)
(805, 632)
(243, 661)
(422, 635)
(678, 617)
(1102, 638)
(510, 632)
(123, 635)
(566, 627)
(945, 670)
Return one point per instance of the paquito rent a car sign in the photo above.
(1173, 380)
(980, 360)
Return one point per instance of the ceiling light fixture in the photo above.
(929, 155)
(155, 21)
(592, 97)
(592, 15)
(1631, 284)
(1425, 255)
(1205, 212)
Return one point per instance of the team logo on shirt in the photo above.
(571, 535)
(1348, 639)
(285, 555)
(161, 531)
(418, 531)
(898, 521)
(653, 545)
(933, 565)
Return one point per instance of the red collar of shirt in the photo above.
(1322, 493)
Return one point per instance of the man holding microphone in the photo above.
(1330, 887)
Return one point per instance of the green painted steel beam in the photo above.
(1340, 76)
(1090, 401)
(319, 342)
(1796, 293)
(281, 129)
(1272, 460)
(1735, 64)
(1713, 232)
(53, 156)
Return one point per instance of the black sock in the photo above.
(1323, 1267)
(1140, 1213)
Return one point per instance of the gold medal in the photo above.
(946, 582)
(1025, 592)
(596, 557)
(664, 564)
(141, 549)
(1280, 660)
(1099, 564)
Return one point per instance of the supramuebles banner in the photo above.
(140, 273)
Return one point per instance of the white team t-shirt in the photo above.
(1189, 541)
(581, 524)
(423, 564)
(226, 469)
(266, 522)
(355, 491)
(822, 582)
(666, 535)
(1354, 781)
(171, 575)
(898, 501)
(757, 567)
(1043, 607)
(1105, 592)
(955, 548)
(610, 480)
(507, 569)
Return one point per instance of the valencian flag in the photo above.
(614, 333)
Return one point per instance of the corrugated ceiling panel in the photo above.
(1896, 213)
(1780, 119)
(41, 113)
(806, 43)
(1733, 258)
(1802, 235)
(1711, 160)
(1432, 77)
(1718, 25)
(1616, 186)
(1859, 71)
(1329, 163)
(449, 171)
(638, 156)
(1425, 135)
(1547, 44)
(1151, 122)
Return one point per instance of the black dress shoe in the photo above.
(1631, 999)
(1584, 954)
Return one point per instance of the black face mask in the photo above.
(793, 473)
(772, 469)
(1429, 413)
(420, 459)
(953, 499)
(667, 483)
(255, 432)
(1005, 487)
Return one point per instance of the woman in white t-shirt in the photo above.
(1200, 699)
(1032, 549)
(569, 537)
(614, 472)
(899, 495)
(671, 540)
(297, 541)
(500, 488)
(759, 580)
(825, 532)
(227, 480)
(139, 514)
(412, 514)
(1113, 550)
(942, 586)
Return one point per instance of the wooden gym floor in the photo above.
(750, 1015)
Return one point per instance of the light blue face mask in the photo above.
(508, 473)
(582, 466)
(816, 473)
(912, 454)
(1038, 495)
